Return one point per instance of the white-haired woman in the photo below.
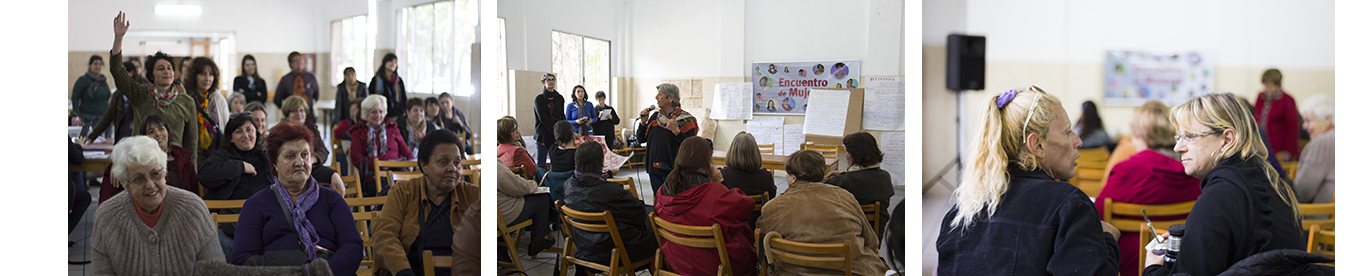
(150, 228)
(374, 136)
(1245, 207)
(1315, 171)
(1042, 225)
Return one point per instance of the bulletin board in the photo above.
(783, 87)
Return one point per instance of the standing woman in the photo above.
(295, 220)
(607, 120)
(165, 97)
(1024, 144)
(201, 83)
(390, 85)
(580, 112)
(89, 96)
(1244, 202)
(349, 91)
(249, 82)
(663, 131)
(420, 214)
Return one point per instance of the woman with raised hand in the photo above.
(1012, 213)
(164, 97)
(1244, 203)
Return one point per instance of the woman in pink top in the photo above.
(510, 149)
(1153, 175)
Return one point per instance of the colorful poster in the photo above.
(1132, 78)
(782, 87)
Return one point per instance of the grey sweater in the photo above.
(1315, 171)
(183, 235)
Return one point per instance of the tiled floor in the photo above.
(81, 237)
(546, 262)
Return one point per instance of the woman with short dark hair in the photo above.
(180, 172)
(421, 214)
(237, 170)
(865, 179)
(814, 212)
(588, 191)
(89, 96)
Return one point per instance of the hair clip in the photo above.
(1005, 98)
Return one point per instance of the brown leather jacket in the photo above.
(814, 212)
(396, 227)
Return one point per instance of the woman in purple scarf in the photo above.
(295, 220)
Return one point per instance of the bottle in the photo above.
(1176, 235)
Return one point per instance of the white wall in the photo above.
(529, 25)
(260, 25)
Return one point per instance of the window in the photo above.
(349, 47)
(434, 47)
(583, 60)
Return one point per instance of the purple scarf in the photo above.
(377, 140)
(298, 209)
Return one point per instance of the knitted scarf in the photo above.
(377, 140)
(205, 123)
(164, 98)
(305, 231)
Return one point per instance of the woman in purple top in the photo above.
(295, 220)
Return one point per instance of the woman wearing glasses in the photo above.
(1245, 207)
(1012, 212)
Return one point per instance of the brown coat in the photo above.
(820, 213)
(396, 227)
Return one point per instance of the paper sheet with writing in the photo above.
(767, 130)
(733, 101)
(893, 156)
(826, 112)
(884, 103)
(793, 137)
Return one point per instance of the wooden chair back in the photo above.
(474, 175)
(1291, 168)
(1089, 171)
(628, 185)
(693, 237)
(766, 148)
(508, 236)
(1113, 210)
(352, 188)
(1146, 238)
(1308, 209)
(403, 176)
(1320, 242)
(809, 254)
(363, 222)
(337, 150)
(431, 262)
(519, 171)
(759, 200)
(874, 213)
(224, 204)
(598, 222)
(382, 168)
(826, 150)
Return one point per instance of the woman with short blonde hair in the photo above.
(1024, 145)
(1244, 201)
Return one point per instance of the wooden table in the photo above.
(91, 165)
(324, 108)
(771, 162)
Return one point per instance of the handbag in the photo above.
(321, 252)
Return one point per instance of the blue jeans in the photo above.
(542, 153)
(226, 244)
(656, 181)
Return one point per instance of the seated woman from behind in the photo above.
(814, 212)
(693, 195)
(588, 191)
(1153, 175)
(866, 179)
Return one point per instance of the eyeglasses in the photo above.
(238, 114)
(1189, 137)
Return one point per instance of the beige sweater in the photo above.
(123, 245)
(820, 213)
(510, 189)
(1315, 171)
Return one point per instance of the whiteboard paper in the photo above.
(826, 112)
(767, 130)
(884, 103)
(793, 137)
(893, 156)
(732, 101)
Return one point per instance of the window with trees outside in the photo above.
(349, 47)
(577, 60)
(434, 47)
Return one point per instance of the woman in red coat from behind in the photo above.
(694, 195)
(1153, 175)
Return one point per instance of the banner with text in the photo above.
(1132, 78)
(782, 87)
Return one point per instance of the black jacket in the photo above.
(867, 186)
(548, 108)
(1282, 262)
(342, 100)
(597, 195)
(1041, 227)
(395, 93)
(606, 127)
(1237, 215)
(662, 145)
(224, 177)
(259, 93)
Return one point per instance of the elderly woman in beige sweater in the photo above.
(153, 229)
(518, 202)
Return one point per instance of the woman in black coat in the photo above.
(1245, 207)
(1012, 215)
(249, 82)
(865, 179)
(389, 84)
(606, 123)
(587, 191)
(350, 90)
(237, 170)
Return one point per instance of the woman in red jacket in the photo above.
(374, 136)
(693, 195)
(1153, 175)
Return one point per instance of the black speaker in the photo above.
(966, 62)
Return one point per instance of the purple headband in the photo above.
(1005, 98)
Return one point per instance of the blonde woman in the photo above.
(1013, 213)
(1245, 207)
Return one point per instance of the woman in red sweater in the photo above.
(693, 195)
(1153, 175)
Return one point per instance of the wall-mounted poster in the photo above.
(783, 87)
(1132, 77)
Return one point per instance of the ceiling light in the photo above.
(179, 10)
